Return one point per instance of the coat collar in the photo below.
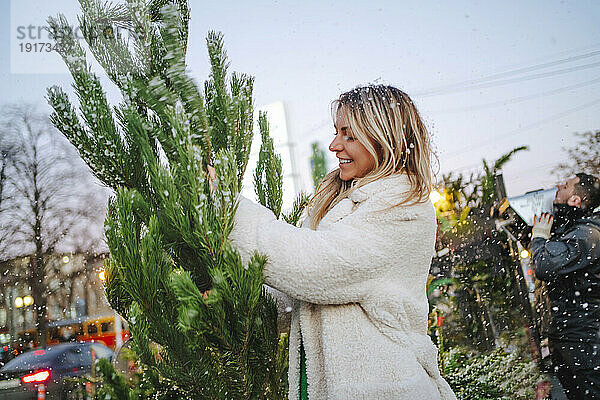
(393, 186)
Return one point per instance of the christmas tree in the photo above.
(203, 326)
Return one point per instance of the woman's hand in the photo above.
(212, 175)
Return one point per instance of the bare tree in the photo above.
(584, 156)
(7, 155)
(52, 200)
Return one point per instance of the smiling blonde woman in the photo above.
(356, 270)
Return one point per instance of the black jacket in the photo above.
(570, 264)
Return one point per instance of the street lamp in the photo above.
(19, 302)
(27, 301)
(435, 196)
(22, 302)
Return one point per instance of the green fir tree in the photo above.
(481, 265)
(203, 326)
(318, 164)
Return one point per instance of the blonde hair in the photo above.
(385, 120)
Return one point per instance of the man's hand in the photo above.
(541, 226)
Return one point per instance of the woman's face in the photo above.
(354, 159)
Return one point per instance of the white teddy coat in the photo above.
(358, 290)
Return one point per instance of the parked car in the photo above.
(44, 370)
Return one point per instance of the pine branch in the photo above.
(268, 177)
(506, 157)
(175, 75)
(102, 143)
(300, 203)
(114, 380)
(217, 99)
(99, 25)
(242, 104)
(318, 164)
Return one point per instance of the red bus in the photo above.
(87, 329)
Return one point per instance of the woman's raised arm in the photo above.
(333, 265)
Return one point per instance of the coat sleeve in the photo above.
(574, 251)
(329, 266)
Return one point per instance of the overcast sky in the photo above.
(486, 76)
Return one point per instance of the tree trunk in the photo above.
(38, 269)
(36, 282)
(38, 266)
